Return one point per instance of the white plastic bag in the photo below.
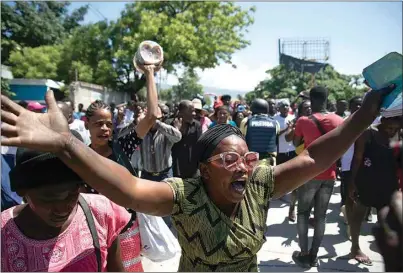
(158, 242)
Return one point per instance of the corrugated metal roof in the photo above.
(42, 82)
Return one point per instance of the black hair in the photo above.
(220, 108)
(95, 106)
(170, 105)
(319, 94)
(23, 103)
(140, 104)
(184, 104)
(34, 169)
(354, 100)
(164, 109)
(318, 97)
(225, 97)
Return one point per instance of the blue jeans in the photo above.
(316, 193)
(159, 178)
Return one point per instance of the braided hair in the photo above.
(95, 106)
(208, 141)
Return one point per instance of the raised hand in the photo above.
(140, 117)
(291, 124)
(22, 128)
(178, 123)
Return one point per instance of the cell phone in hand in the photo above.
(383, 73)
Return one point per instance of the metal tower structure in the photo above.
(314, 50)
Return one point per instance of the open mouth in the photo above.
(239, 186)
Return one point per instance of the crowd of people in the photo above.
(72, 188)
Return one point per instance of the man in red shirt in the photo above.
(318, 191)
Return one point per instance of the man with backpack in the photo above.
(318, 191)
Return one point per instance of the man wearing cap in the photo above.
(201, 115)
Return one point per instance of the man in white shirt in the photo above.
(286, 150)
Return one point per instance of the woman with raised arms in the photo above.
(220, 216)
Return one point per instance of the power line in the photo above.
(93, 11)
(96, 11)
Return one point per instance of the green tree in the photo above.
(283, 83)
(166, 95)
(192, 34)
(36, 63)
(36, 23)
(5, 88)
(207, 100)
(187, 87)
(88, 53)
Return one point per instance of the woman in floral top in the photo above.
(52, 231)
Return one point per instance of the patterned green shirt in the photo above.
(209, 239)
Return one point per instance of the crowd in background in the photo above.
(277, 130)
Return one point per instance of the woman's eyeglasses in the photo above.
(231, 160)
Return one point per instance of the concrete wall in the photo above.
(86, 93)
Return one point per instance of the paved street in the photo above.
(282, 242)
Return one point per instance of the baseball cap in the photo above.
(35, 106)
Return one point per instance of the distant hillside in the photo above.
(214, 90)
